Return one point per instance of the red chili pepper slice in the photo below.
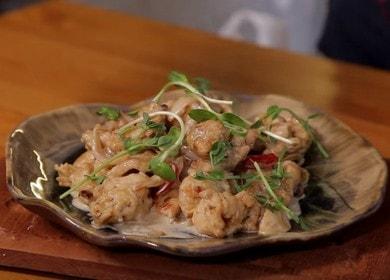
(266, 161)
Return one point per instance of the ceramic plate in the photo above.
(356, 171)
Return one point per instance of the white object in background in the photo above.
(269, 30)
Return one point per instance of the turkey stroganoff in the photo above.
(192, 160)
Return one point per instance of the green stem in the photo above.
(193, 92)
(308, 129)
(179, 140)
(288, 211)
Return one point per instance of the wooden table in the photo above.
(56, 54)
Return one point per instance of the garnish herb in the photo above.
(97, 179)
(256, 124)
(147, 124)
(169, 139)
(157, 164)
(219, 151)
(111, 114)
(313, 116)
(279, 172)
(162, 169)
(214, 175)
(202, 84)
(267, 202)
(277, 202)
(234, 123)
(274, 111)
(201, 115)
(218, 175)
(180, 80)
(133, 147)
(132, 113)
(176, 76)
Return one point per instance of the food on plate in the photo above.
(193, 161)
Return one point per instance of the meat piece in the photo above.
(122, 199)
(252, 212)
(203, 135)
(218, 214)
(240, 149)
(274, 223)
(190, 190)
(91, 141)
(200, 165)
(168, 204)
(70, 174)
(111, 142)
(290, 128)
(138, 162)
(296, 177)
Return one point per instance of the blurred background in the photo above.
(356, 31)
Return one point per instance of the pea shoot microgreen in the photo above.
(202, 84)
(157, 164)
(279, 171)
(241, 182)
(132, 113)
(95, 178)
(218, 152)
(234, 123)
(201, 115)
(169, 139)
(111, 114)
(134, 146)
(148, 124)
(162, 169)
(274, 111)
(278, 202)
(214, 175)
(180, 80)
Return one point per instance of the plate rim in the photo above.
(121, 240)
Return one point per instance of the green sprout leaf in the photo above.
(147, 124)
(233, 119)
(201, 115)
(234, 123)
(219, 151)
(215, 175)
(256, 124)
(176, 76)
(169, 139)
(109, 113)
(202, 84)
(273, 111)
(162, 169)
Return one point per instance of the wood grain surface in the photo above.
(56, 54)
